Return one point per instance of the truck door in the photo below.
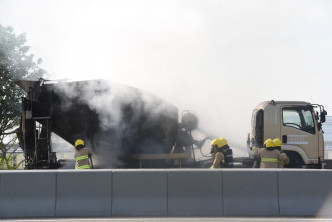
(298, 131)
(257, 122)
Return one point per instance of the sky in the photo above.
(217, 58)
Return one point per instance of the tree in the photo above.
(15, 64)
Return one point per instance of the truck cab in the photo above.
(297, 124)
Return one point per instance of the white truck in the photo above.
(297, 124)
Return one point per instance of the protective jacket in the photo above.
(269, 157)
(282, 163)
(219, 160)
(82, 157)
(223, 158)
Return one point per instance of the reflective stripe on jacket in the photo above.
(270, 158)
(84, 167)
(285, 162)
(82, 158)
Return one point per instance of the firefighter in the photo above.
(82, 155)
(223, 155)
(269, 155)
(277, 145)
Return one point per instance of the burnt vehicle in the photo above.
(119, 123)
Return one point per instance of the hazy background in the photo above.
(217, 58)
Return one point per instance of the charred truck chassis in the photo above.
(129, 122)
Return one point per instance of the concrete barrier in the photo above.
(250, 192)
(195, 193)
(83, 193)
(139, 193)
(173, 192)
(27, 194)
(305, 192)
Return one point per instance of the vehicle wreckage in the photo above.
(127, 127)
(124, 126)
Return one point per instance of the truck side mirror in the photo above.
(323, 116)
(319, 125)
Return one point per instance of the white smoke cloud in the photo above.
(218, 58)
(114, 120)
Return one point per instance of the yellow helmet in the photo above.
(216, 142)
(223, 142)
(79, 142)
(269, 143)
(219, 142)
(277, 142)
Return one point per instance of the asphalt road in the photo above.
(177, 219)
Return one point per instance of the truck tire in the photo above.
(295, 160)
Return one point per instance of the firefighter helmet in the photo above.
(219, 142)
(223, 142)
(79, 142)
(268, 143)
(216, 142)
(277, 142)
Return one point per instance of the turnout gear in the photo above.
(229, 158)
(223, 154)
(285, 162)
(82, 156)
(219, 160)
(277, 146)
(269, 156)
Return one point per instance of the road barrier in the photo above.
(27, 193)
(83, 194)
(250, 192)
(305, 192)
(166, 192)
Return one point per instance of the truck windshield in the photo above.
(300, 118)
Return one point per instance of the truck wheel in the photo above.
(295, 160)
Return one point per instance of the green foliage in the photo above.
(15, 64)
(7, 158)
(7, 162)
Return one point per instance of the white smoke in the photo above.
(123, 114)
(217, 58)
